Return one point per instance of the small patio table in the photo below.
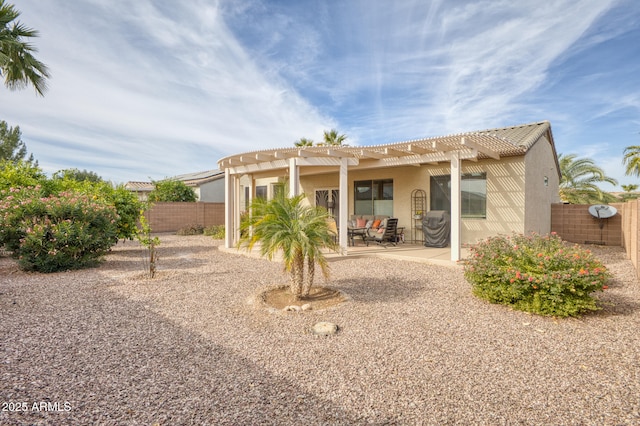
(353, 232)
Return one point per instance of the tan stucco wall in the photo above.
(505, 193)
(505, 197)
(517, 198)
(538, 165)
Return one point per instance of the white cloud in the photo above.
(155, 88)
(165, 94)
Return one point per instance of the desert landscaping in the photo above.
(197, 345)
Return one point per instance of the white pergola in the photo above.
(450, 149)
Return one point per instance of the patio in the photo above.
(415, 252)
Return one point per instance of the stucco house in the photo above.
(208, 185)
(492, 182)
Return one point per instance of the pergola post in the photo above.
(343, 237)
(236, 208)
(229, 186)
(294, 177)
(456, 210)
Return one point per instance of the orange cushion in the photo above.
(361, 223)
(376, 224)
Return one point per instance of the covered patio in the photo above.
(448, 151)
(403, 251)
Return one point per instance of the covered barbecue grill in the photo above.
(436, 226)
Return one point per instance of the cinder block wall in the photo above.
(631, 231)
(170, 217)
(574, 223)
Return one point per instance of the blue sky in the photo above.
(154, 88)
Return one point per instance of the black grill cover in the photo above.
(436, 225)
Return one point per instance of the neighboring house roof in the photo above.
(139, 186)
(190, 179)
(492, 143)
(198, 178)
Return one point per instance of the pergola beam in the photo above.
(480, 148)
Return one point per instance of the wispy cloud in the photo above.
(159, 90)
(156, 88)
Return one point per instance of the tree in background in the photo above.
(79, 176)
(629, 193)
(332, 138)
(16, 174)
(172, 191)
(17, 63)
(580, 179)
(12, 148)
(303, 142)
(631, 160)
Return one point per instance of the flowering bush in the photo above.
(539, 274)
(58, 232)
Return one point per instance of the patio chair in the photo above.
(388, 235)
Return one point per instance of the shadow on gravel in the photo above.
(615, 305)
(137, 251)
(114, 362)
(373, 290)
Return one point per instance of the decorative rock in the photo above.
(306, 307)
(292, 308)
(324, 328)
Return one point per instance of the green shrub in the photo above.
(172, 191)
(191, 230)
(538, 274)
(215, 231)
(20, 174)
(59, 232)
(128, 208)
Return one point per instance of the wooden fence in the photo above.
(170, 217)
(574, 223)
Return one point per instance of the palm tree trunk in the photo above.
(308, 282)
(297, 276)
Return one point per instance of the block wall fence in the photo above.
(170, 217)
(574, 223)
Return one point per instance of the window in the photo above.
(278, 190)
(473, 188)
(374, 197)
(261, 192)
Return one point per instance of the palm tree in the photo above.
(629, 188)
(303, 142)
(580, 177)
(332, 138)
(17, 63)
(632, 160)
(284, 225)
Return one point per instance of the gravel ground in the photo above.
(106, 346)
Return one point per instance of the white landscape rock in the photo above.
(324, 328)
